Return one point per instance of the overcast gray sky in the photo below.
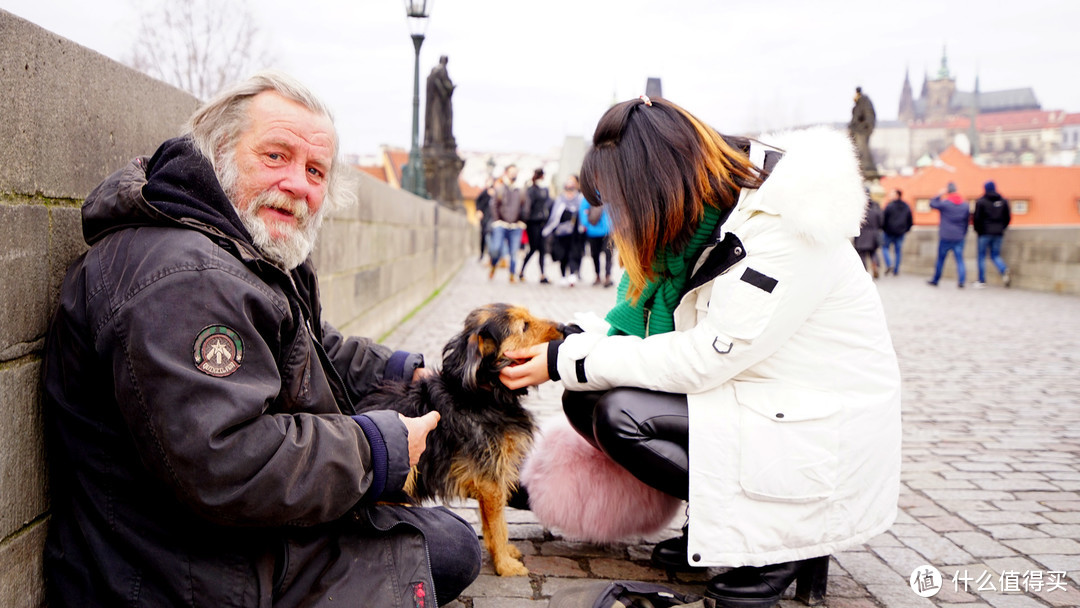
(530, 73)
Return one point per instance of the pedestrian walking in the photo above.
(992, 217)
(565, 224)
(598, 237)
(867, 241)
(507, 226)
(483, 212)
(538, 208)
(744, 309)
(952, 228)
(896, 223)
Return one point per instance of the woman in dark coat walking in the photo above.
(538, 207)
(869, 238)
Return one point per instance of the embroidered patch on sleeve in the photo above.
(761, 281)
(218, 351)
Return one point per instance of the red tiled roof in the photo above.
(1053, 192)
(396, 159)
(469, 192)
(377, 172)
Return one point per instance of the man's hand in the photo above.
(422, 372)
(532, 369)
(418, 429)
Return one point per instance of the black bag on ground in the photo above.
(623, 594)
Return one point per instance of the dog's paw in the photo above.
(510, 567)
(513, 551)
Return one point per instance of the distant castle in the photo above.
(939, 100)
(1005, 127)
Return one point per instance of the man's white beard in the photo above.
(295, 242)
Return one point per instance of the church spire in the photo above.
(907, 102)
(943, 71)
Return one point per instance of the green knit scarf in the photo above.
(654, 312)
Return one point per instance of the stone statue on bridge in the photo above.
(442, 165)
(859, 130)
(439, 113)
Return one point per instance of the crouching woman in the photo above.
(746, 366)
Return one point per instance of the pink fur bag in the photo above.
(579, 491)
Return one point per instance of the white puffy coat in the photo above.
(791, 379)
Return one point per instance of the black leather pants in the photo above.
(645, 432)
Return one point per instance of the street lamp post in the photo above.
(412, 175)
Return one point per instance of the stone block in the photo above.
(979, 544)
(24, 264)
(553, 566)
(867, 568)
(490, 585)
(73, 116)
(938, 550)
(65, 244)
(21, 580)
(1058, 546)
(618, 569)
(23, 476)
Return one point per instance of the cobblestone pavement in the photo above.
(991, 459)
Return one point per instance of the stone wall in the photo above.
(68, 118)
(1043, 259)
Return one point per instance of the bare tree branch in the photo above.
(198, 45)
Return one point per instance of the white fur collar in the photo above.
(816, 188)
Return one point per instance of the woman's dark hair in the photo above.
(656, 167)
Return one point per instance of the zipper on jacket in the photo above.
(648, 317)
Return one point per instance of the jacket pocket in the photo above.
(789, 441)
(742, 310)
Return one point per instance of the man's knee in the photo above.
(455, 554)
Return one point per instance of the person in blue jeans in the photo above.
(507, 221)
(895, 226)
(992, 217)
(955, 216)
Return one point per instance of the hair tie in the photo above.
(645, 98)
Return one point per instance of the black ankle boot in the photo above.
(670, 554)
(750, 587)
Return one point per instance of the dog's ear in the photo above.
(468, 356)
(480, 345)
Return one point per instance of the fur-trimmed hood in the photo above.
(815, 188)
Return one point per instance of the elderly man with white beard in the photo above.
(204, 445)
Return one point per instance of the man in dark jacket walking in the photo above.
(952, 228)
(897, 223)
(992, 217)
(204, 442)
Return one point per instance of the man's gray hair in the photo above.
(216, 127)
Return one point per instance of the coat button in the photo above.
(737, 251)
(696, 557)
(779, 415)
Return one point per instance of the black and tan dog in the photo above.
(484, 433)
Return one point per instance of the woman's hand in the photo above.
(531, 369)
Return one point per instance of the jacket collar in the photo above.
(815, 187)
